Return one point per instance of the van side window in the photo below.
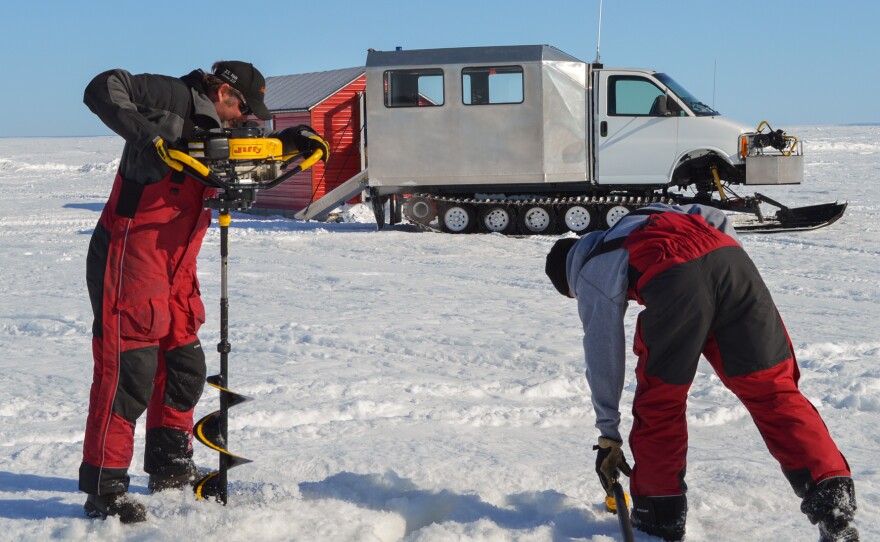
(414, 88)
(631, 95)
(492, 85)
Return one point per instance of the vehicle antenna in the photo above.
(599, 33)
(714, 73)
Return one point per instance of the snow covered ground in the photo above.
(416, 386)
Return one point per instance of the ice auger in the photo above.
(621, 508)
(212, 430)
(237, 162)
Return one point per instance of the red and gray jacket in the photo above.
(140, 108)
(603, 279)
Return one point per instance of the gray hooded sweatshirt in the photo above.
(600, 284)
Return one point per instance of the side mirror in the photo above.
(672, 107)
(660, 107)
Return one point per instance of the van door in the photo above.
(635, 132)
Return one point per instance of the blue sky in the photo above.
(805, 62)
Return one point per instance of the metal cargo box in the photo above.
(775, 169)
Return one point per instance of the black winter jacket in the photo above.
(141, 107)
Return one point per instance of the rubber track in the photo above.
(766, 225)
(636, 201)
(633, 202)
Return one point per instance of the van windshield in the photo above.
(699, 108)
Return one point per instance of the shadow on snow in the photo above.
(97, 207)
(276, 222)
(37, 508)
(390, 493)
(280, 223)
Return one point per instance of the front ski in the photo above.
(791, 219)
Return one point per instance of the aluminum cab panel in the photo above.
(565, 121)
(455, 142)
(537, 141)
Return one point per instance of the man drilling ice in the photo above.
(141, 274)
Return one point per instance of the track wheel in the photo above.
(611, 215)
(536, 219)
(497, 219)
(420, 209)
(458, 218)
(579, 218)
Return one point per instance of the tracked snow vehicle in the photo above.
(530, 140)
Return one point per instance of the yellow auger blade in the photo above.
(209, 486)
(207, 431)
(232, 398)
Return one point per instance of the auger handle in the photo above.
(188, 160)
(302, 166)
(204, 174)
(311, 160)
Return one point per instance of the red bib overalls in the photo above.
(703, 295)
(141, 273)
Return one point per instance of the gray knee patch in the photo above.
(136, 371)
(185, 376)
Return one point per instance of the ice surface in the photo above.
(416, 386)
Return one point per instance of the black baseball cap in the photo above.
(245, 78)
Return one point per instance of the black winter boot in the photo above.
(177, 480)
(115, 504)
(168, 459)
(832, 504)
(660, 516)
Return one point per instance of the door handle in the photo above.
(603, 128)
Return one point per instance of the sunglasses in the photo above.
(242, 103)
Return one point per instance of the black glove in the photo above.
(302, 139)
(610, 460)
